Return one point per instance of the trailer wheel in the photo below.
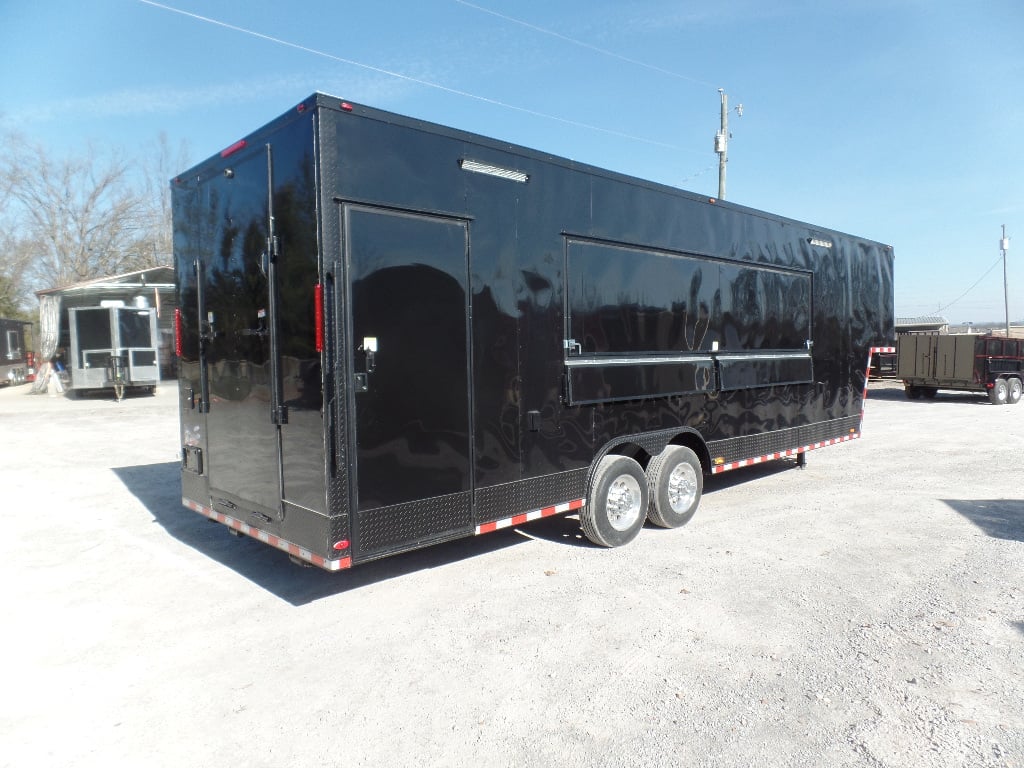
(997, 395)
(617, 507)
(1014, 391)
(912, 392)
(929, 393)
(675, 481)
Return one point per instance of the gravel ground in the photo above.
(866, 611)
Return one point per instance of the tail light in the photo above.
(177, 332)
(318, 315)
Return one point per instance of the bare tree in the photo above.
(13, 260)
(78, 218)
(157, 169)
(14, 291)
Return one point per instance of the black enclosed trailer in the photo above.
(392, 334)
(14, 367)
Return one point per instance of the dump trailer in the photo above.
(992, 365)
(113, 346)
(14, 368)
(392, 334)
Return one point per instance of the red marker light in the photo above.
(237, 146)
(318, 315)
(346, 106)
(341, 545)
(177, 332)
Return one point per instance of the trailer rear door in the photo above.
(233, 309)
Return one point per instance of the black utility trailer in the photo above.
(992, 365)
(392, 334)
(14, 367)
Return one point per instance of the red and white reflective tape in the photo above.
(268, 538)
(871, 353)
(867, 373)
(716, 470)
(536, 514)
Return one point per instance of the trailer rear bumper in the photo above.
(328, 564)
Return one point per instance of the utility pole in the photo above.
(722, 145)
(1004, 246)
(722, 142)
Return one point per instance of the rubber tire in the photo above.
(659, 473)
(912, 392)
(595, 517)
(929, 393)
(1014, 392)
(997, 395)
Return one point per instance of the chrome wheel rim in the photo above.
(623, 502)
(682, 487)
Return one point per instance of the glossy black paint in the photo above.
(486, 337)
(232, 390)
(409, 304)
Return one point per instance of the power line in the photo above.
(407, 78)
(954, 301)
(701, 172)
(582, 44)
(636, 62)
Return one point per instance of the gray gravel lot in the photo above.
(866, 611)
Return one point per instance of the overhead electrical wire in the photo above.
(975, 285)
(407, 78)
(589, 46)
(603, 52)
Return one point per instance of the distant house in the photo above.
(922, 325)
(941, 325)
(153, 287)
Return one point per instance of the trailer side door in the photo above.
(408, 299)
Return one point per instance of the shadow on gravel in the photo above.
(157, 486)
(999, 518)
(898, 395)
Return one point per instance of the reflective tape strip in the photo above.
(536, 514)
(867, 373)
(268, 538)
(717, 470)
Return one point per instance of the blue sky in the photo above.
(898, 120)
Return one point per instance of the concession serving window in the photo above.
(647, 323)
